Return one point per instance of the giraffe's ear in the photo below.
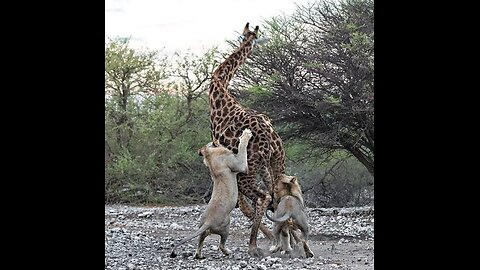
(256, 30)
(246, 28)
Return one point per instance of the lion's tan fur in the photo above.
(224, 166)
(289, 215)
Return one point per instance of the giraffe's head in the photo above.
(247, 35)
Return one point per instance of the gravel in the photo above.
(142, 238)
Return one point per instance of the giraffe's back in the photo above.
(265, 145)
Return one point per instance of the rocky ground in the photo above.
(142, 237)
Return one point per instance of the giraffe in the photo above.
(266, 155)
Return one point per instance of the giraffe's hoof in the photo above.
(309, 253)
(255, 252)
(198, 257)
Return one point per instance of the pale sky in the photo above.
(178, 25)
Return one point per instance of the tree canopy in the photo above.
(319, 65)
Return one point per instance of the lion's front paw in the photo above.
(246, 134)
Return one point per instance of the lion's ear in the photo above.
(293, 180)
(201, 150)
(287, 179)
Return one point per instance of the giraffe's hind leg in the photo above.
(249, 212)
(249, 187)
(266, 173)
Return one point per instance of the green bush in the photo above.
(160, 163)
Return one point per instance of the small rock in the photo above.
(261, 266)
(175, 226)
(269, 260)
(309, 261)
(242, 264)
(146, 214)
(187, 254)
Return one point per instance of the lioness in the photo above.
(289, 215)
(224, 166)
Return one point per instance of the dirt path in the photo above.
(141, 238)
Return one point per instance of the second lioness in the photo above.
(224, 166)
(289, 216)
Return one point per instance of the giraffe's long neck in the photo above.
(221, 102)
(225, 71)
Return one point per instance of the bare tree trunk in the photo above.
(364, 159)
(124, 126)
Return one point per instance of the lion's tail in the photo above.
(203, 228)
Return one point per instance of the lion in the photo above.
(224, 166)
(289, 216)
